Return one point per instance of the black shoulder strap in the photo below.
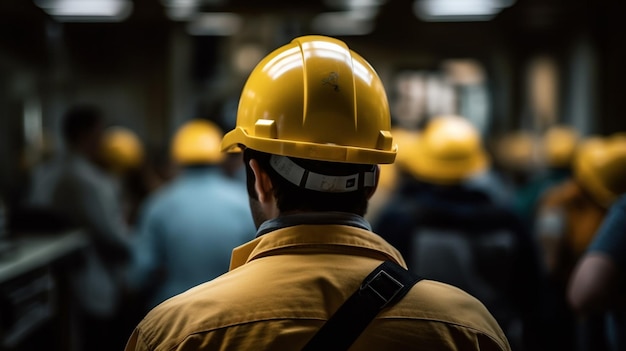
(384, 286)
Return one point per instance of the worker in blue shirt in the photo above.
(187, 229)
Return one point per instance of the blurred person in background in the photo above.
(515, 157)
(158, 169)
(87, 196)
(188, 228)
(598, 281)
(556, 148)
(458, 234)
(123, 157)
(569, 215)
(310, 172)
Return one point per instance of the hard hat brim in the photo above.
(306, 150)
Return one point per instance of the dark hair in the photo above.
(291, 197)
(78, 121)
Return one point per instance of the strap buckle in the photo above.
(383, 286)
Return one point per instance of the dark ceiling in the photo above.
(527, 27)
(538, 21)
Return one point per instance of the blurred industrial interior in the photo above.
(508, 65)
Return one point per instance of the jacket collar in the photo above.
(320, 233)
(339, 218)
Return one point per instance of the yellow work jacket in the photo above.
(283, 286)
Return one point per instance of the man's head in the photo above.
(314, 120)
(82, 128)
(283, 184)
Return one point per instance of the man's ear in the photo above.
(262, 183)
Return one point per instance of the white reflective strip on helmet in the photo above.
(287, 169)
(319, 182)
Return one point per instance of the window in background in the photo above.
(458, 87)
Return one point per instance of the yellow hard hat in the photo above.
(197, 142)
(315, 99)
(559, 145)
(600, 167)
(448, 151)
(121, 148)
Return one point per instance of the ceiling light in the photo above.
(459, 10)
(87, 10)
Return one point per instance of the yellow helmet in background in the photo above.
(197, 142)
(559, 145)
(448, 151)
(600, 167)
(405, 140)
(121, 148)
(314, 98)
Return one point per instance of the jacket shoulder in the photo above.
(444, 305)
